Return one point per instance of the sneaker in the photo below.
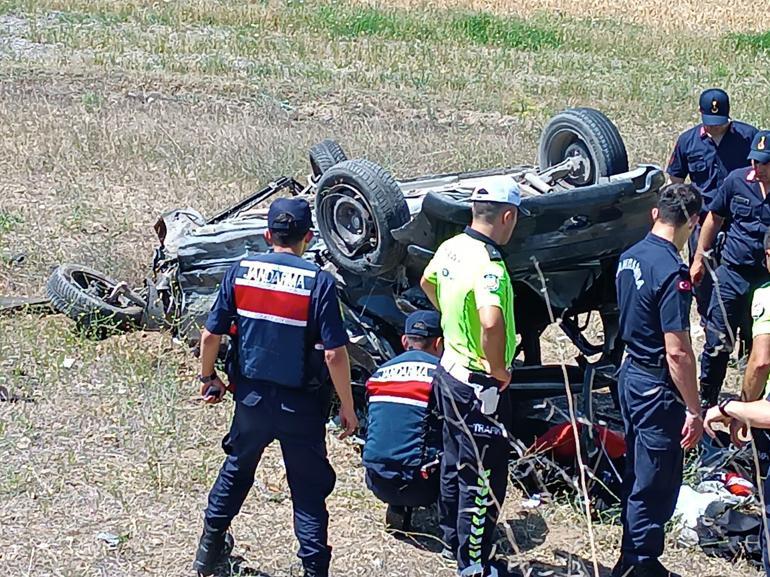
(214, 548)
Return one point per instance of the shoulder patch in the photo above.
(684, 286)
(491, 282)
(757, 310)
(493, 253)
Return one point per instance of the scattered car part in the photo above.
(10, 305)
(588, 136)
(357, 204)
(324, 155)
(93, 299)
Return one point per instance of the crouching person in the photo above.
(403, 440)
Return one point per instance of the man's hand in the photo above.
(213, 391)
(692, 431)
(714, 416)
(697, 270)
(348, 420)
(739, 433)
(503, 376)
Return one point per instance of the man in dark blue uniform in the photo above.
(289, 329)
(403, 438)
(706, 154)
(657, 383)
(753, 410)
(741, 199)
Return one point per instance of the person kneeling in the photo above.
(403, 439)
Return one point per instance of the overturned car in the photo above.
(375, 234)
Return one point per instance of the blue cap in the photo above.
(714, 107)
(423, 324)
(502, 189)
(760, 147)
(289, 215)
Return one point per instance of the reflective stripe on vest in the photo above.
(272, 295)
(273, 292)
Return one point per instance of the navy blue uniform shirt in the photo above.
(324, 321)
(654, 296)
(740, 200)
(707, 164)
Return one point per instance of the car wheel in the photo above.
(86, 296)
(589, 136)
(324, 155)
(357, 205)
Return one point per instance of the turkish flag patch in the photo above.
(685, 286)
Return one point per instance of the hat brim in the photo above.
(760, 156)
(714, 119)
(522, 210)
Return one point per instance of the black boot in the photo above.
(709, 395)
(398, 518)
(316, 569)
(652, 569)
(621, 569)
(214, 547)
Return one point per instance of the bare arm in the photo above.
(681, 364)
(430, 291)
(708, 233)
(756, 413)
(209, 351)
(675, 179)
(339, 370)
(493, 342)
(757, 370)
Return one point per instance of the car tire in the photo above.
(358, 204)
(588, 133)
(79, 292)
(324, 155)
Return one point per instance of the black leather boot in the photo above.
(214, 548)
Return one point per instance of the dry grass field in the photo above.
(112, 111)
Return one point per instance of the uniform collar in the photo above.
(659, 240)
(481, 237)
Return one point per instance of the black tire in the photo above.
(324, 155)
(357, 204)
(588, 133)
(79, 292)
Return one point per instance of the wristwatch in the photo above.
(207, 380)
(722, 407)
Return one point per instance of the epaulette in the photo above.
(493, 253)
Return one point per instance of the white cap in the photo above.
(501, 189)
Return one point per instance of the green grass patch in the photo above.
(481, 28)
(759, 42)
(9, 221)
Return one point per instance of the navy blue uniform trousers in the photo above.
(729, 310)
(653, 416)
(704, 290)
(470, 495)
(297, 420)
(416, 492)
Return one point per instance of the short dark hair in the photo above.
(419, 342)
(287, 238)
(677, 203)
(489, 211)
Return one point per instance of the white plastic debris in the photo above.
(68, 363)
(110, 539)
(533, 502)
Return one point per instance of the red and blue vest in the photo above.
(272, 294)
(402, 433)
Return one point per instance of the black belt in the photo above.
(661, 363)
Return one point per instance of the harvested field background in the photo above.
(112, 111)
